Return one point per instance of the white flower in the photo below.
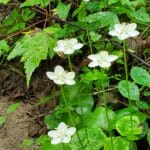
(102, 59)
(60, 76)
(62, 134)
(68, 46)
(86, 0)
(124, 31)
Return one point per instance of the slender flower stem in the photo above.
(69, 61)
(106, 109)
(126, 74)
(70, 116)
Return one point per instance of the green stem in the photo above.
(106, 108)
(70, 116)
(127, 80)
(69, 61)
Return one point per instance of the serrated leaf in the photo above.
(91, 138)
(118, 143)
(106, 18)
(63, 10)
(129, 126)
(32, 49)
(4, 1)
(35, 2)
(133, 92)
(16, 27)
(140, 76)
(13, 107)
(4, 47)
(2, 120)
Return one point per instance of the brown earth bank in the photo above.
(27, 121)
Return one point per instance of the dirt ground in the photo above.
(26, 122)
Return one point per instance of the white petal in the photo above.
(50, 75)
(66, 139)
(71, 131)
(73, 40)
(131, 26)
(52, 133)
(123, 36)
(92, 57)
(69, 51)
(56, 140)
(70, 75)
(102, 54)
(77, 46)
(105, 64)
(70, 82)
(111, 58)
(133, 33)
(62, 126)
(59, 81)
(113, 33)
(59, 70)
(93, 64)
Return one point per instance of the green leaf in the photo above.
(32, 49)
(140, 16)
(78, 96)
(140, 76)
(45, 144)
(13, 107)
(4, 47)
(143, 105)
(16, 27)
(27, 142)
(98, 119)
(118, 143)
(27, 14)
(4, 1)
(133, 92)
(35, 2)
(106, 18)
(148, 136)
(2, 120)
(128, 129)
(63, 10)
(94, 36)
(110, 2)
(91, 138)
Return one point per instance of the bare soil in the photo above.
(27, 121)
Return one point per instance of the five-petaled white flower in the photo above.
(86, 0)
(124, 31)
(102, 59)
(60, 76)
(62, 134)
(68, 46)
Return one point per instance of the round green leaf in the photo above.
(129, 129)
(125, 145)
(133, 93)
(91, 138)
(140, 76)
(2, 120)
(13, 107)
(98, 119)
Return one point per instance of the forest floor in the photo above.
(27, 121)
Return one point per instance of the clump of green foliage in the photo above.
(100, 125)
